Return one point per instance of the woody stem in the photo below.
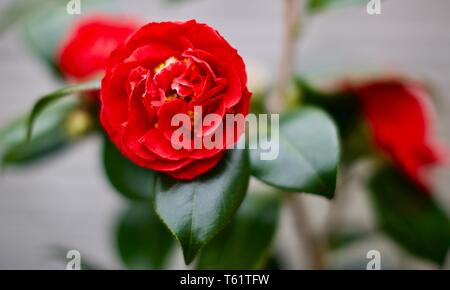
(293, 10)
(293, 16)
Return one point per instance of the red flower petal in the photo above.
(400, 117)
(165, 69)
(85, 52)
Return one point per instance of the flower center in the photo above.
(165, 64)
(173, 78)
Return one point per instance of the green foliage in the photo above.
(308, 154)
(196, 211)
(49, 135)
(20, 10)
(410, 216)
(48, 99)
(343, 106)
(193, 211)
(127, 178)
(143, 241)
(245, 243)
(37, 18)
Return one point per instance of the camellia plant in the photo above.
(127, 81)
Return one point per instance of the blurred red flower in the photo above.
(400, 115)
(167, 69)
(84, 53)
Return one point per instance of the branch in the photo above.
(293, 12)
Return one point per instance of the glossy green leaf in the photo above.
(245, 243)
(308, 154)
(132, 181)
(143, 241)
(319, 5)
(49, 135)
(410, 216)
(47, 100)
(196, 211)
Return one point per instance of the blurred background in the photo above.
(66, 203)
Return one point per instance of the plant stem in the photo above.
(293, 11)
(311, 246)
(293, 16)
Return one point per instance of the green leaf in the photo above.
(308, 154)
(245, 243)
(319, 5)
(342, 106)
(39, 41)
(48, 23)
(143, 241)
(19, 10)
(132, 181)
(410, 216)
(47, 100)
(49, 135)
(37, 148)
(196, 211)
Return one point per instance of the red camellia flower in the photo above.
(166, 69)
(400, 116)
(84, 53)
